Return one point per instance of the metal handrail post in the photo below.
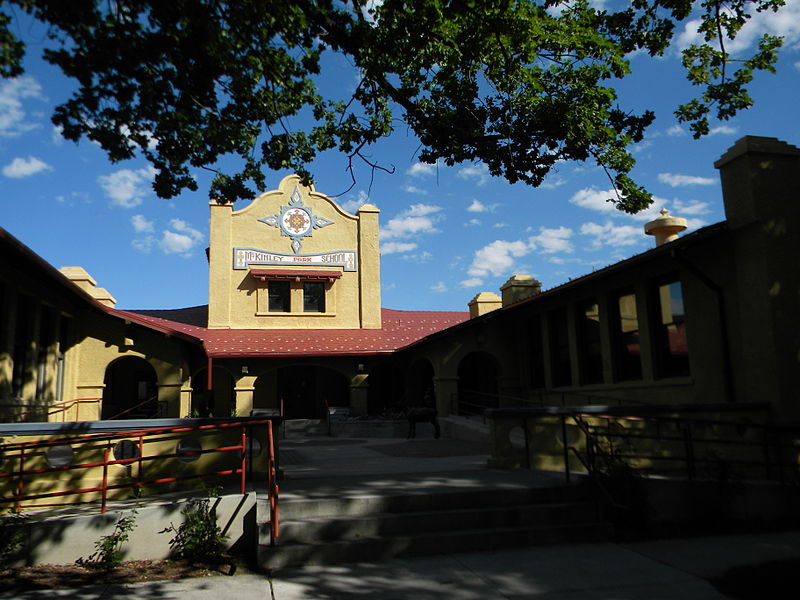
(565, 444)
(104, 490)
(243, 477)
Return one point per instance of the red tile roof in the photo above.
(400, 328)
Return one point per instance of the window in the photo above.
(627, 348)
(672, 349)
(591, 353)
(559, 343)
(314, 296)
(537, 352)
(278, 296)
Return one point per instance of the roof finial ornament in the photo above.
(665, 228)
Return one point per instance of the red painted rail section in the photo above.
(243, 450)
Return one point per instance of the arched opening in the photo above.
(384, 391)
(307, 390)
(219, 402)
(131, 390)
(420, 384)
(477, 383)
(265, 392)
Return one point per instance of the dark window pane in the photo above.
(278, 296)
(591, 353)
(559, 339)
(673, 349)
(628, 353)
(313, 296)
(537, 353)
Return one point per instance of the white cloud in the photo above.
(395, 247)
(552, 183)
(497, 258)
(723, 130)
(13, 118)
(500, 225)
(141, 224)
(412, 189)
(549, 241)
(477, 173)
(127, 188)
(610, 234)
(55, 137)
(418, 219)
(439, 287)
(478, 207)
(676, 180)
(144, 244)
(182, 240)
(675, 131)
(785, 23)
(421, 170)
(472, 282)
(593, 199)
(25, 167)
(690, 208)
(472, 223)
(354, 204)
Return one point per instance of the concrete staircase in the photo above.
(380, 527)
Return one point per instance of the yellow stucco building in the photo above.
(294, 321)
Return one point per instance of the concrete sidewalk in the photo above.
(656, 570)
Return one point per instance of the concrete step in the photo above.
(422, 500)
(402, 546)
(377, 527)
(325, 529)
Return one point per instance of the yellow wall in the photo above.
(238, 300)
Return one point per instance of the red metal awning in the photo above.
(296, 274)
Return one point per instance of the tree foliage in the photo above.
(516, 84)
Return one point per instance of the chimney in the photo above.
(86, 282)
(665, 228)
(519, 287)
(483, 303)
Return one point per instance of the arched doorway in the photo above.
(420, 384)
(477, 383)
(219, 402)
(384, 391)
(131, 390)
(307, 390)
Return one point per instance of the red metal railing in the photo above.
(57, 407)
(19, 452)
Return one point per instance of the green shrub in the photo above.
(12, 538)
(198, 538)
(107, 553)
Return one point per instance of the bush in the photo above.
(198, 538)
(12, 538)
(108, 553)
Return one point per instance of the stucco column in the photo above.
(7, 330)
(359, 388)
(91, 406)
(219, 266)
(169, 396)
(185, 400)
(369, 268)
(446, 390)
(243, 395)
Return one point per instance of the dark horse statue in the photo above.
(422, 414)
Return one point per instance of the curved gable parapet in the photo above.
(293, 227)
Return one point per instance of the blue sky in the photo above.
(447, 233)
